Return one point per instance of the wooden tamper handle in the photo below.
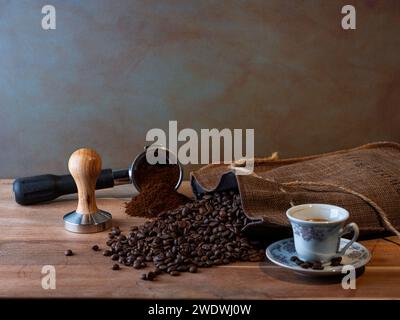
(85, 166)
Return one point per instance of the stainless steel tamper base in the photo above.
(87, 223)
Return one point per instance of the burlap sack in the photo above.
(364, 180)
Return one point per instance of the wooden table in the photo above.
(33, 236)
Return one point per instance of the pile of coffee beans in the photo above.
(315, 265)
(200, 234)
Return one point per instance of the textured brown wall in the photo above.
(114, 69)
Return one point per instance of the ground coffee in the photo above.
(146, 173)
(200, 234)
(157, 190)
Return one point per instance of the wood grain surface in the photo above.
(33, 236)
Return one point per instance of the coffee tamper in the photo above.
(85, 166)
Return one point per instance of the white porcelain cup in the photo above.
(317, 230)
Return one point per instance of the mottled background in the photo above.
(115, 69)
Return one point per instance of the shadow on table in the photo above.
(294, 277)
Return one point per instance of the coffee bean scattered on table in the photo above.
(193, 269)
(143, 276)
(201, 234)
(107, 253)
(95, 247)
(151, 275)
(68, 252)
(115, 266)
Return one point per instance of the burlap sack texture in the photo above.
(364, 180)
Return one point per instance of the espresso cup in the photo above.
(317, 230)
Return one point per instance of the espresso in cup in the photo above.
(316, 220)
(317, 231)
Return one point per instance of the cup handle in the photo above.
(347, 229)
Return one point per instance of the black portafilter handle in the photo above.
(47, 187)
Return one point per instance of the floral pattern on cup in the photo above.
(310, 232)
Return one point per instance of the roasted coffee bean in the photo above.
(193, 269)
(294, 258)
(317, 267)
(151, 275)
(171, 268)
(68, 252)
(114, 257)
(109, 242)
(336, 261)
(157, 271)
(306, 265)
(95, 247)
(115, 266)
(163, 267)
(160, 257)
(143, 276)
(116, 232)
(107, 253)
(174, 273)
(182, 268)
(299, 262)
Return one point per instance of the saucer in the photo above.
(281, 251)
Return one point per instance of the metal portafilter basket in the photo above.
(47, 187)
